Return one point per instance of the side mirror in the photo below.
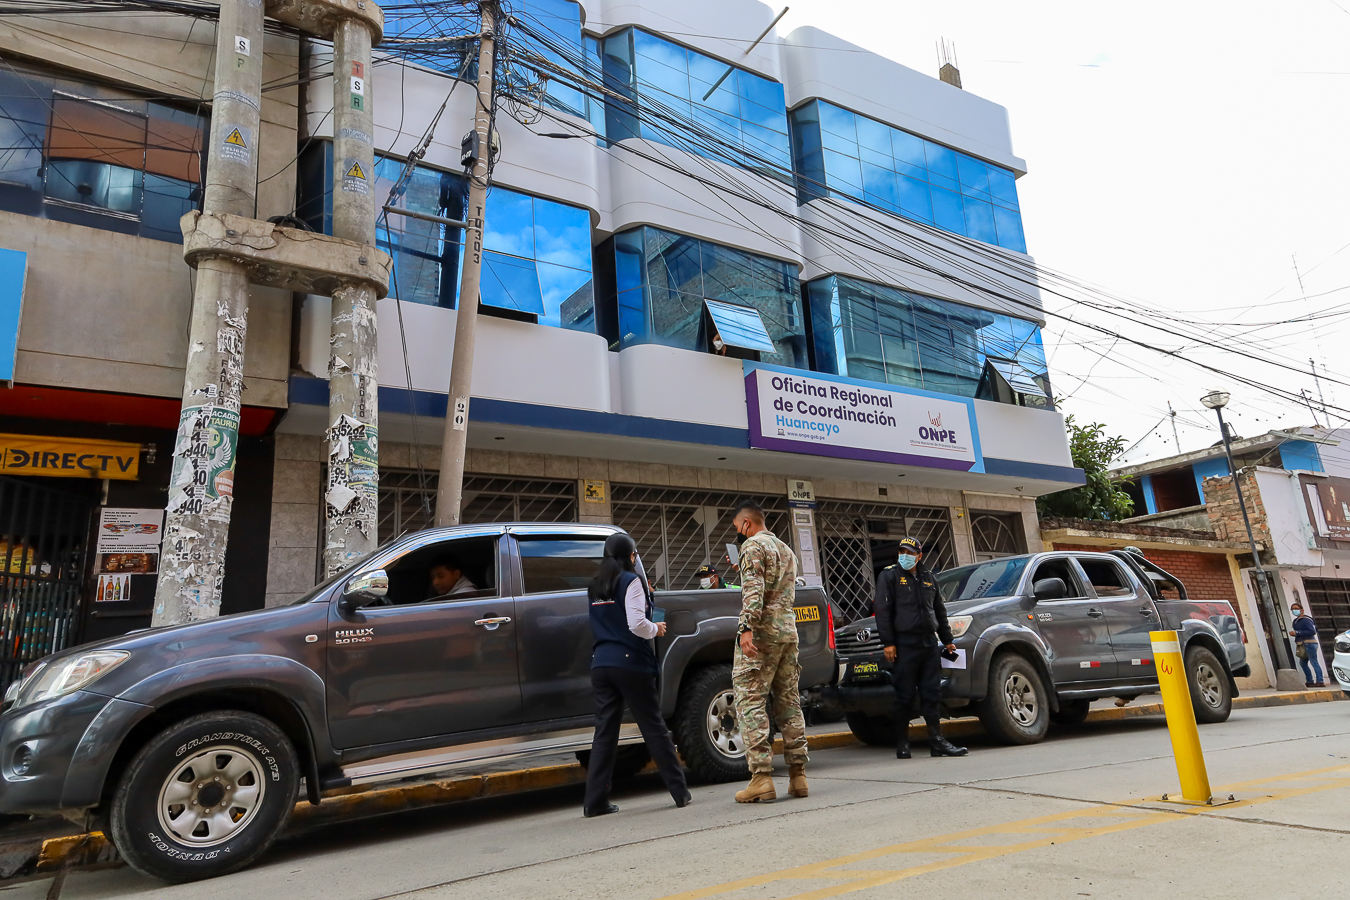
(1049, 589)
(363, 589)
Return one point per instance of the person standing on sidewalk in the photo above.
(912, 620)
(766, 670)
(624, 671)
(1307, 645)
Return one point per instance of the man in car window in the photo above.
(448, 578)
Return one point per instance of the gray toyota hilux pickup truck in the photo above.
(1040, 636)
(188, 745)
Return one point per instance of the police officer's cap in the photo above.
(911, 544)
(705, 570)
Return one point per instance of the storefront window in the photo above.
(850, 156)
(746, 112)
(95, 156)
(662, 279)
(537, 252)
(887, 335)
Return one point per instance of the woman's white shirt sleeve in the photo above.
(635, 605)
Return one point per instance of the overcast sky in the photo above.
(1179, 155)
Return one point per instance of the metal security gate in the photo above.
(43, 537)
(849, 534)
(677, 531)
(1329, 605)
(408, 500)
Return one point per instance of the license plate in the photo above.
(866, 670)
(808, 614)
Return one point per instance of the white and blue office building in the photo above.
(729, 276)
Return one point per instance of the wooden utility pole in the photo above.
(201, 488)
(477, 154)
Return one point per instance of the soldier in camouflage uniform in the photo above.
(766, 669)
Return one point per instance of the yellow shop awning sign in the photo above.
(26, 454)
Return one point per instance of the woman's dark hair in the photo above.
(619, 549)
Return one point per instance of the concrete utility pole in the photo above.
(352, 491)
(201, 489)
(450, 490)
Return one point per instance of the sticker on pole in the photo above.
(354, 177)
(461, 415)
(241, 45)
(237, 143)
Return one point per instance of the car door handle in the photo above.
(492, 623)
(1146, 611)
(1096, 613)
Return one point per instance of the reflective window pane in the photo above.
(979, 220)
(568, 297)
(509, 224)
(511, 283)
(929, 180)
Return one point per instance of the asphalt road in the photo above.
(1066, 818)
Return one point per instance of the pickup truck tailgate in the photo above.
(813, 632)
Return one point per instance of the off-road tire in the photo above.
(705, 759)
(1071, 712)
(876, 731)
(628, 761)
(1211, 689)
(999, 716)
(253, 752)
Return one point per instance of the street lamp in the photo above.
(1217, 400)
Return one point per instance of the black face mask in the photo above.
(740, 539)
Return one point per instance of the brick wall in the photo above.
(1206, 575)
(1225, 515)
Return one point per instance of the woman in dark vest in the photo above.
(623, 671)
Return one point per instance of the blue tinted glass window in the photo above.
(537, 252)
(668, 84)
(947, 211)
(979, 220)
(740, 326)
(510, 282)
(677, 273)
(884, 334)
(852, 154)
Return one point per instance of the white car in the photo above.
(1340, 663)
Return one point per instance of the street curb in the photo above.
(94, 849)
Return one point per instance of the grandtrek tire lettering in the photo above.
(165, 814)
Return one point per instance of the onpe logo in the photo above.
(936, 421)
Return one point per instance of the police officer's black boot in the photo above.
(939, 745)
(902, 740)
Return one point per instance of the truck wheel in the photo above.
(206, 796)
(878, 731)
(1016, 711)
(706, 730)
(1211, 692)
(627, 762)
(1071, 712)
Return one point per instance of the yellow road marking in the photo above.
(1134, 815)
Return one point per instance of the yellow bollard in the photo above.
(1176, 695)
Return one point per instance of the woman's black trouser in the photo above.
(615, 687)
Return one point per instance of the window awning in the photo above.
(1017, 376)
(510, 282)
(740, 326)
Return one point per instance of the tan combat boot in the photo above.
(797, 780)
(759, 788)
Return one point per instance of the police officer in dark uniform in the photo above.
(912, 620)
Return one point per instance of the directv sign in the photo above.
(824, 415)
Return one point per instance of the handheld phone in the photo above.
(658, 614)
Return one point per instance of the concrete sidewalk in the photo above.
(47, 846)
